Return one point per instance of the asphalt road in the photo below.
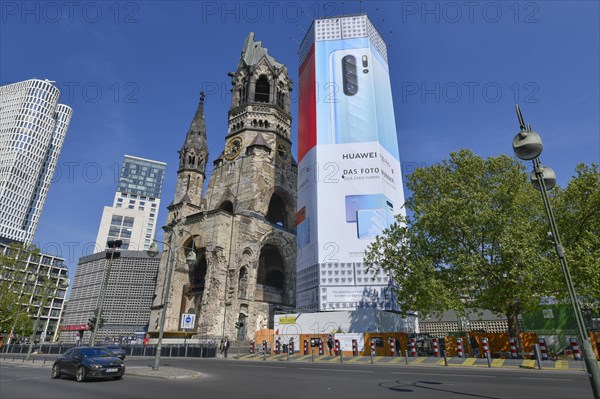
(252, 379)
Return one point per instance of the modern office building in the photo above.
(33, 126)
(34, 278)
(133, 215)
(129, 294)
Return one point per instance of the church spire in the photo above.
(192, 160)
(196, 135)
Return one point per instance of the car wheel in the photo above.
(80, 375)
(55, 371)
(117, 377)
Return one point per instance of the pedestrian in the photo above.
(221, 345)
(225, 347)
(475, 346)
(330, 344)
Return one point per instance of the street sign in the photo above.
(188, 320)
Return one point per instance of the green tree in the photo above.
(15, 289)
(477, 238)
(577, 211)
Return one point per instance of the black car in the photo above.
(88, 362)
(116, 349)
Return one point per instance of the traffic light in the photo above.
(92, 323)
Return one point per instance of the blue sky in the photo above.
(132, 72)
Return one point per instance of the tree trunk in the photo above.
(512, 316)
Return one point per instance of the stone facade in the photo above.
(243, 228)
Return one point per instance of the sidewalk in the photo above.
(425, 361)
(142, 371)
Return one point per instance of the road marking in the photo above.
(348, 371)
(444, 374)
(254, 365)
(542, 378)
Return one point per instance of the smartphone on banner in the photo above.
(353, 116)
(362, 201)
(386, 122)
(370, 223)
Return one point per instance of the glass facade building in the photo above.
(141, 177)
(33, 126)
(133, 215)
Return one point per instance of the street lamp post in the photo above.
(47, 290)
(527, 145)
(190, 260)
(113, 245)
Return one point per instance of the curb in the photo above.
(560, 365)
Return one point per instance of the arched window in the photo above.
(226, 206)
(191, 161)
(262, 90)
(198, 272)
(243, 283)
(276, 213)
(271, 269)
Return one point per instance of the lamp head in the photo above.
(153, 250)
(549, 179)
(527, 145)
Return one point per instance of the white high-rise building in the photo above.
(133, 215)
(33, 126)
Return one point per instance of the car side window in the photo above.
(69, 353)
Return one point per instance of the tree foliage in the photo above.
(577, 210)
(15, 292)
(477, 238)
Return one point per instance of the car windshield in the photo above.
(96, 352)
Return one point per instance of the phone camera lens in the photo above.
(365, 71)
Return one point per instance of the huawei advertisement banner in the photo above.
(349, 180)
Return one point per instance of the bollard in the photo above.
(264, 350)
(413, 348)
(341, 354)
(459, 347)
(543, 348)
(291, 346)
(486, 348)
(277, 347)
(252, 346)
(575, 348)
(445, 359)
(354, 347)
(489, 361)
(320, 347)
(313, 355)
(336, 347)
(305, 347)
(392, 342)
(537, 354)
(372, 350)
(436, 348)
(513, 348)
(406, 356)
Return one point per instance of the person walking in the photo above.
(330, 344)
(225, 347)
(474, 345)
